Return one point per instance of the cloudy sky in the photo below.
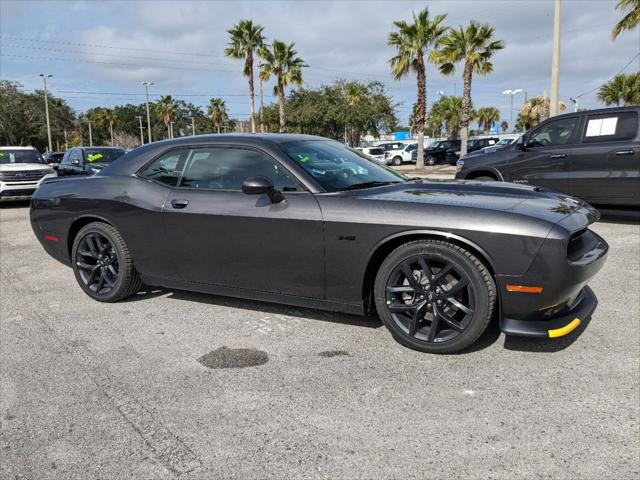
(100, 52)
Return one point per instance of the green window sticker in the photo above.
(1, 154)
(303, 158)
(94, 157)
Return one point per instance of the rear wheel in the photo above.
(397, 161)
(434, 296)
(430, 160)
(102, 264)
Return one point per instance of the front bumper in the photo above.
(554, 327)
(15, 191)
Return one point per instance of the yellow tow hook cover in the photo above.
(568, 328)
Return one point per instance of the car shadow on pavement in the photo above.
(257, 306)
(549, 345)
(15, 204)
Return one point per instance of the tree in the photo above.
(486, 116)
(217, 111)
(623, 88)
(281, 60)
(412, 41)
(630, 20)
(166, 109)
(474, 46)
(447, 113)
(245, 39)
(109, 117)
(535, 111)
(504, 126)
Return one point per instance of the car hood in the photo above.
(21, 167)
(497, 196)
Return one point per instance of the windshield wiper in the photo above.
(357, 186)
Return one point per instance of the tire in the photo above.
(422, 314)
(397, 161)
(98, 251)
(430, 160)
(485, 178)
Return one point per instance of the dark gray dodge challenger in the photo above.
(305, 221)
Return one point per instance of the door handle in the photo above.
(624, 152)
(559, 155)
(179, 203)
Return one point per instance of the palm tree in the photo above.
(449, 111)
(536, 110)
(412, 41)
(109, 116)
(623, 88)
(504, 126)
(486, 116)
(245, 39)
(217, 111)
(166, 109)
(281, 61)
(632, 18)
(473, 45)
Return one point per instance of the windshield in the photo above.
(102, 155)
(437, 144)
(335, 167)
(8, 155)
(505, 141)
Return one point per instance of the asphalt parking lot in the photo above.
(136, 389)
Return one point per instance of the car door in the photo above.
(604, 168)
(219, 235)
(74, 165)
(543, 160)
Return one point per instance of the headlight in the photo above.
(459, 165)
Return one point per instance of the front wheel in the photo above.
(397, 161)
(434, 296)
(102, 264)
(430, 160)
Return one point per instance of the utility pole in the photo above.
(139, 117)
(146, 90)
(171, 129)
(193, 126)
(46, 107)
(555, 61)
(90, 137)
(66, 144)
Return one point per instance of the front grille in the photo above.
(24, 176)
(17, 193)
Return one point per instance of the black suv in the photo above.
(441, 151)
(593, 155)
(88, 160)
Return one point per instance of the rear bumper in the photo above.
(558, 326)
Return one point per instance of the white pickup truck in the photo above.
(401, 155)
(22, 169)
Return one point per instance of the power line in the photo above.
(618, 73)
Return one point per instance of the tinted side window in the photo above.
(610, 127)
(227, 168)
(557, 132)
(76, 154)
(167, 168)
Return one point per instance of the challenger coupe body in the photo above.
(303, 220)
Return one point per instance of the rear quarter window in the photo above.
(610, 127)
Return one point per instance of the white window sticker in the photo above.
(602, 126)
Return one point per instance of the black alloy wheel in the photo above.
(102, 264)
(97, 263)
(430, 160)
(434, 296)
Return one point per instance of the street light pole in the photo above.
(511, 94)
(575, 103)
(66, 144)
(146, 90)
(171, 129)
(555, 62)
(193, 126)
(261, 108)
(139, 117)
(46, 107)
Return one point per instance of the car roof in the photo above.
(19, 148)
(102, 147)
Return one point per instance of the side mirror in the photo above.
(75, 162)
(259, 185)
